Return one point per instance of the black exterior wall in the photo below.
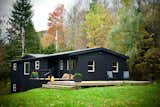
(23, 82)
(103, 63)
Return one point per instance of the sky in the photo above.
(41, 10)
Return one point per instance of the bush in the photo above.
(34, 74)
(77, 77)
(4, 75)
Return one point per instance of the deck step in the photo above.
(72, 84)
(68, 83)
(58, 86)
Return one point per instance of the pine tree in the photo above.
(32, 40)
(23, 37)
(19, 20)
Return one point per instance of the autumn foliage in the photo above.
(55, 20)
(47, 40)
(55, 23)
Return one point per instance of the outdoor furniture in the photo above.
(109, 75)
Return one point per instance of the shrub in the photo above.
(34, 74)
(77, 77)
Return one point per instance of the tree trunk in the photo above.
(23, 41)
(56, 40)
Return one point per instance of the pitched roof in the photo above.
(75, 52)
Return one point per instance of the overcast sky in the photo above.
(41, 9)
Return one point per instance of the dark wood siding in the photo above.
(22, 81)
(103, 63)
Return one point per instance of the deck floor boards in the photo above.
(72, 84)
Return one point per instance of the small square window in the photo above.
(91, 66)
(14, 66)
(14, 88)
(37, 65)
(115, 67)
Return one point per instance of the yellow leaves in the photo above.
(90, 45)
(97, 23)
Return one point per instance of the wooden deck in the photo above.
(56, 79)
(72, 84)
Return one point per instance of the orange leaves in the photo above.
(55, 23)
(55, 20)
(47, 40)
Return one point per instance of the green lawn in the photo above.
(115, 96)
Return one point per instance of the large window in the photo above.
(61, 65)
(115, 67)
(14, 66)
(91, 66)
(26, 68)
(71, 64)
(37, 65)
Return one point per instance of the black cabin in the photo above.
(92, 63)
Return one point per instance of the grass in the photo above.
(116, 96)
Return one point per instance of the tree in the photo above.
(147, 64)
(49, 49)
(75, 31)
(124, 35)
(32, 40)
(55, 23)
(47, 40)
(4, 66)
(152, 20)
(136, 35)
(19, 20)
(97, 22)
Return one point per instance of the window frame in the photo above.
(71, 64)
(37, 65)
(25, 68)
(61, 64)
(14, 66)
(68, 64)
(117, 67)
(14, 87)
(93, 66)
